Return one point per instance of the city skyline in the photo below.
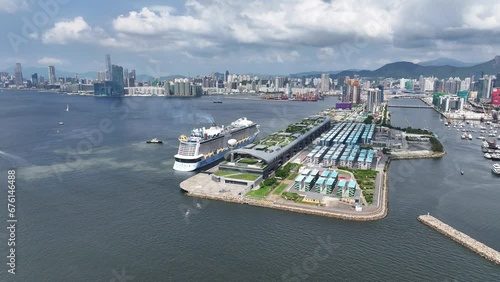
(251, 37)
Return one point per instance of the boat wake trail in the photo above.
(14, 160)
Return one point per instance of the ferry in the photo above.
(205, 146)
(155, 141)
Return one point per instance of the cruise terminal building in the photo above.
(269, 154)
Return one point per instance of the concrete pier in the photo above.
(461, 238)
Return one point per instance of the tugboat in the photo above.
(155, 141)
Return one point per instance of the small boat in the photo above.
(187, 213)
(480, 138)
(487, 155)
(67, 108)
(495, 168)
(198, 205)
(463, 136)
(61, 123)
(462, 172)
(495, 157)
(470, 136)
(218, 102)
(155, 141)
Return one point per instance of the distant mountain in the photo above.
(411, 70)
(318, 73)
(446, 62)
(146, 77)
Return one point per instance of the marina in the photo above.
(461, 238)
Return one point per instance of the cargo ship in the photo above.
(205, 146)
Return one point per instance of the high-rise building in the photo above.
(226, 75)
(325, 82)
(117, 79)
(34, 79)
(125, 77)
(374, 98)
(279, 83)
(131, 78)
(109, 70)
(52, 75)
(19, 75)
(101, 76)
(351, 91)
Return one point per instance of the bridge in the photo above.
(411, 106)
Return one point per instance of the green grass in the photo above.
(293, 176)
(262, 192)
(247, 161)
(280, 189)
(244, 176)
(224, 172)
(368, 194)
(292, 196)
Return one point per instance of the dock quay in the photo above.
(201, 186)
(461, 238)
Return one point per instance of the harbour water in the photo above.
(96, 203)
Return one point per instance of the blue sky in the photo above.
(196, 37)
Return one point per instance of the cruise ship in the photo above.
(205, 146)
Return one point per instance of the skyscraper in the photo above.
(34, 79)
(52, 75)
(117, 80)
(325, 82)
(131, 78)
(125, 77)
(109, 70)
(19, 75)
(226, 74)
(279, 83)
(101, 76)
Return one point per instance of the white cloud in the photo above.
(12, 6)
(325, 53)
(50, 61)
(64, 32)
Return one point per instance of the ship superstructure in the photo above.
(204, 146)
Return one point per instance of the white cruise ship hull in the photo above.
(180, 166)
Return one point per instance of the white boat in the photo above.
(155, 140)
(61, 123)
(67, 108)
(464, 136)
(480, 138)
(470, 136)
(495, 168)
(487, 156)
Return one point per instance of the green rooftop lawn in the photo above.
(247, 161)
(244, 176)
(224, 172)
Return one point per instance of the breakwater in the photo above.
(461, 238)
(410, 156)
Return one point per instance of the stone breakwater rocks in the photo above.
(407, 157)
(461, 238)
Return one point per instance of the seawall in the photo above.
(461, 238)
